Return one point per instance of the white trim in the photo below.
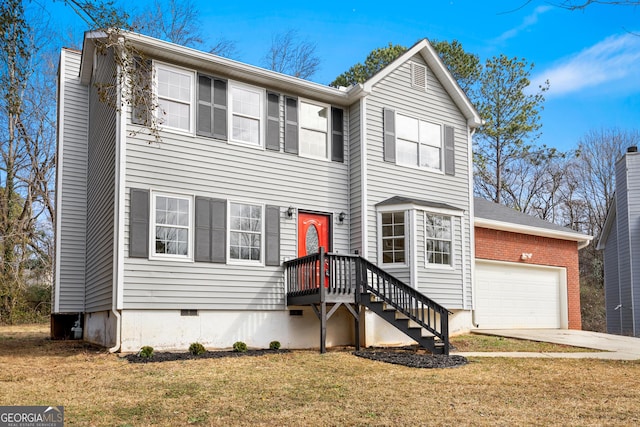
(379, 239)
(413, 242)
(213, 64)
(234, 261)
(410, 206)
(433, 61)
(192, 102)
(582, 239)
(261, 117)
(152, 225)
(452, 240)
(463, 258)
(60, 163)
(364, 204)
(441, 147)
(472, 234)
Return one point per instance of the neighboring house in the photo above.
(526, 270)
(269, 203)
(621, 243)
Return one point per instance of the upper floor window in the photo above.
(419, 143)
(246, 114)
(171, 225)
(393, 238)
(438, 239)
(175, 97)
(245, 232)
(314, 127)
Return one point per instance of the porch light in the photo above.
(290, 211)
(341, 216)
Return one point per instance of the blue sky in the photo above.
(590, 57)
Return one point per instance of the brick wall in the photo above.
(507, 246)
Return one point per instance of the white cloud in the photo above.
(527, 22)
(616, 58)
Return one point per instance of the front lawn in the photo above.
(305, 388)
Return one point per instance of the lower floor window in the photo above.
(438, 239)
(172, 219)
(393, 237)
(245, 232)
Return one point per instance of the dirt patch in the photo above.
(170, 357)
(413, 359)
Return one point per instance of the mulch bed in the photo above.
(170, 357)
(413, 359)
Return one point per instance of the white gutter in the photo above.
(472, 234)
(364, 206)
(582, 239)
(118, 234)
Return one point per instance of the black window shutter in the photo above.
(142, 92)
(291, 126)
(204, 124)
(220, 108)
(449, 151)
(138, 223)
(273, 121)
(218, 230)
(272, 238)
(337, 134)
(202, 237)
(389, 135)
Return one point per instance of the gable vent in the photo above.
(418, 76)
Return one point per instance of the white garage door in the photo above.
(510, 295)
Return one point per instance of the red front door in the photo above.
(313, 234)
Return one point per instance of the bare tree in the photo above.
(290, 55)
(27, 147)
(583, 4)
(179, 22)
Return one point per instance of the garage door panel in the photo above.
(517, 296)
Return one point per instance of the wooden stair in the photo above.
(405, 325)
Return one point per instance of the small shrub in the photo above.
(146, 352)
(274, 345)
(239, 347)
(196, 349)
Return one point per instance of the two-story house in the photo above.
(195, 237)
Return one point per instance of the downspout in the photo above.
(119, 193)
(472, 233)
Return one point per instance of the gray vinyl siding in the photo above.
(385, 179)
(100, 192)
(624, 250)
(71, 184)
(355, 177)
(198, 166)
(633, 195)
(612, 284)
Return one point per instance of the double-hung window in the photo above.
(419, 143)
(246, 114)
(245, 232)
(314, 130)
(171, 226)
(393, 237)
(175, 97)
(438, 234)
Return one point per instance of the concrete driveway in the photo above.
(615, 347)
